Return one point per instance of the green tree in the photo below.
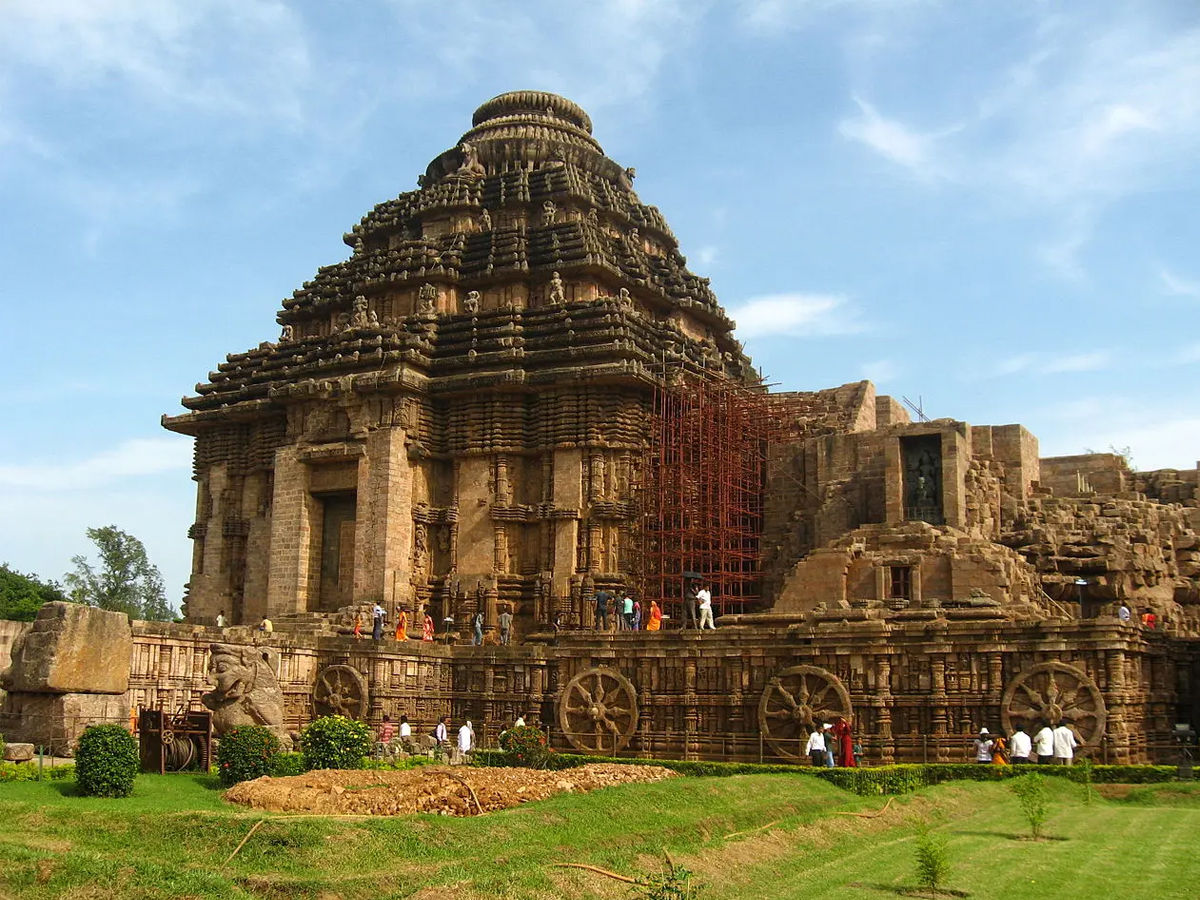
(125, 581)
(21, 596)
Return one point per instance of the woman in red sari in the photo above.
(843, 750)
(427, 629)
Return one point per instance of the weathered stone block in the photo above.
(71, 649)
(18, 752)
(55, 721)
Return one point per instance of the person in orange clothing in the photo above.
(655, 622)
(402, 626)
(358, 626)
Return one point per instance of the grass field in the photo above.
(172, 838)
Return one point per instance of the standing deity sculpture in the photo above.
(471, 304)
(245, 690)
(549, 211)
(557, 296)
(485, 220)
(420, 545)
(358, 318)
(426, 297)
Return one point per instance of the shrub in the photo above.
(106, 761)
(1031, 794)
(285, 764)
(673, 884)
(2, 746)
(932, 861)
(527, 746)
(246, 752)
(335, 742)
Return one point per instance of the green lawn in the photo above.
(171, 839)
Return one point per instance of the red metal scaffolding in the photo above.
(701, 497)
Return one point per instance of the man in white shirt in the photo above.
(1043, 744)
(1064, 744)
(405, 728)
(704, 597)
(466, 740)
(221, 619)
(442, 732)
(983, 747)
(815, 748)
(520, 723)
(1020, 746)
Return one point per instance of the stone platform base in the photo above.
(55, 721)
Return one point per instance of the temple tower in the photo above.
(454, 417)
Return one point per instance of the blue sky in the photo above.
(989, 206)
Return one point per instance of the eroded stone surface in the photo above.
(71, 648)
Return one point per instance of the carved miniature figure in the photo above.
(426, 297)
(471, 304)
(556, 296)
(358, 318)
(485, 220)
(246, 691)
(471, 167)
(549, 211)
(288, 333)
(624, 298)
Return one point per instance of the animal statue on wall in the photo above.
(246, 691)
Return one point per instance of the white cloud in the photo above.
(1176, 285)
(889, 138)
(1052, 363)
(133, 458)
(795, 315)
(880, 371)
(707, 256)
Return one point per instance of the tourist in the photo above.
(221, 619)
(844, 747)
(983, 747)
(506, 618)
(265, 626)
(627, 610)
(637, 615)
(704, 596)
(520, 723)
(477, 629)
(377, 617)
(466, 741)
(1064, 744)
(655, 622)
(387, 730)
(1043, 744)
(1123, 612)
(441, 732)
(815, 748)
(1020, 746)
(401, 626)
(1149, 619)
(602, 600)
(358, 626)
(827, 732)
(405, 728)
(999, 751)
(427, 628)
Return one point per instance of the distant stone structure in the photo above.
(468, 415)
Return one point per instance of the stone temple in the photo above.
(514, 394)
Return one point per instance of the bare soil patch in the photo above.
(444, 790)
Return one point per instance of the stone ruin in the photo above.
(467, 416)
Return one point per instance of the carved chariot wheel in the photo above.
(598, 711)
(796, 698)
(340, 691)
(1051, 692)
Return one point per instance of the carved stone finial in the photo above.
(471, 304)
(549, 211)
(557, 295)
(631, 173)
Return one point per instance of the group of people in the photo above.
(1050, 744)
(627, 613)
(390, 732)
(832, 744)
(379, 622)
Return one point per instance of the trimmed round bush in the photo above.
(335, 742)
(526, 746)
(286, 764)
(246, 752)
(106, 761)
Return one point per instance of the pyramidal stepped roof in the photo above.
(516, 229)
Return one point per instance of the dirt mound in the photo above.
(446, 790)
